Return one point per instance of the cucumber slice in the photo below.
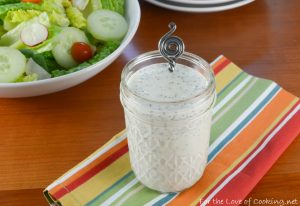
(12, 64)
(63, 44)
(107, 25)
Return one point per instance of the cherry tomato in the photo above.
(81, 51)
(32, 1)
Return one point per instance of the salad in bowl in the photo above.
(44, 39)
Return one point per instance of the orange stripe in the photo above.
(90, 166)
(219, 62)
(235, 149)
(222, 66)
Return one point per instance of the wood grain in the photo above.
(42, 137)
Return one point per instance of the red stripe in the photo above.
(89, 174)
(292, 136)
(221, 66)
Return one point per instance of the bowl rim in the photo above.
(125, 42)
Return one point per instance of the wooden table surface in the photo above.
(42, 137)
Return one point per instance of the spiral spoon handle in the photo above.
(171, 47)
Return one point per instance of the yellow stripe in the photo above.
(100, 182)
(69, 200)
(237, 161)
(225, 76)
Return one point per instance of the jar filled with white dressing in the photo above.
(168, 109)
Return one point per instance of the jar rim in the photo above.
(206, 92)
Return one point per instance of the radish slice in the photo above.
(34, 34)
(32, 67)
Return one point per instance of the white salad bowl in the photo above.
(47, 86)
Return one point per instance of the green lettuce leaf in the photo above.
(66, 3)
(59, 19)
(53, 5)
(2, 31)
(96, 4)
(104, 51)
(45, 59)
(76, 17)
(13, 18)
(3, 2)
(56, 12)
(114, 5)
(12, 7)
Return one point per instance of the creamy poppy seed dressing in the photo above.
(157, 83)
(168, 125)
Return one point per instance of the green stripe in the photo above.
(231, 86)
(126, 193)
(112, 190)
(232, 114)
(240, 94)
(142, 197)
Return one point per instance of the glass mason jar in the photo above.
(168, 140)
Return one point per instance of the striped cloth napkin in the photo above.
(254, 121)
